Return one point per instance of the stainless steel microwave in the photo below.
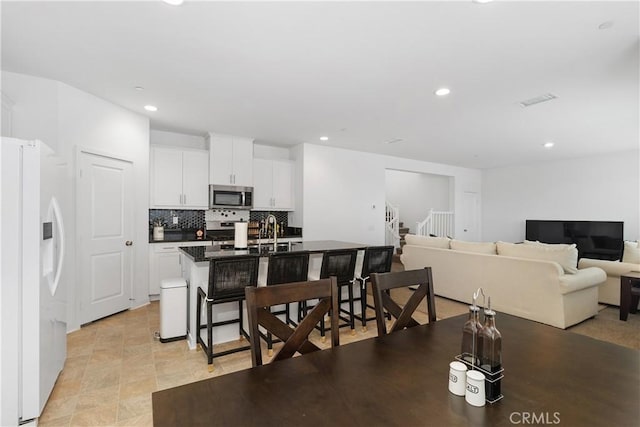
(230, 197)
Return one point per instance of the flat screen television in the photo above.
(594, 239)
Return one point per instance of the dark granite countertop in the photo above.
(205, 254)
(190, 236)
(177, 236)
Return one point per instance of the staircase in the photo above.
(392, 224)
(403, 231)
(436, 224)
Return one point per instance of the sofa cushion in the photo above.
(631, 253)
(551, 245)
(567, 257)
(479, 247)
(431, 242)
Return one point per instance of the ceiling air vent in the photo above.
(537, 100)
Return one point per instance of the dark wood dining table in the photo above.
(552, 377)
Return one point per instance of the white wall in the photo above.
(342, 201)
(34, 113)
(83, 120)
(415, 193)
(94, 124)
(603, 188)
(173, 139)
(344, 191)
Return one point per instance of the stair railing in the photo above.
(437, 223)
(392, 225)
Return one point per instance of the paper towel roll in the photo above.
(240, 240)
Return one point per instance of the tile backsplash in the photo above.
(192, 219)
(187, 219)
(281, 217)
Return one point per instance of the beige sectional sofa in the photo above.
(609, 291)
(524, 280)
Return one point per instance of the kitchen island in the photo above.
(195, 269)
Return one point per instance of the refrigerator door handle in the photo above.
(54, 210)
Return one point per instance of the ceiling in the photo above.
(361, 73)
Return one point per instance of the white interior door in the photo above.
(470, 218)
(105, 230)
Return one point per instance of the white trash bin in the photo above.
(173, 309)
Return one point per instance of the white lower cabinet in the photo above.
(164, 262)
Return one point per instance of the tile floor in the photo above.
(114, 364)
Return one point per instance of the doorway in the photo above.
(415, 193)
(104, 234)
(469, 217)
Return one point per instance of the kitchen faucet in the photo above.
(271, 219)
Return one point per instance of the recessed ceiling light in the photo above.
(605, 25)
(548, 144)
(324, 138)
(443, 91)
(482, 1)
(151, 108)
(138, 88)
(174, 2)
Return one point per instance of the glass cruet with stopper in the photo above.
(491, 359)
(471, 336)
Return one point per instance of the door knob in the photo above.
(465, 230)
(128, 243)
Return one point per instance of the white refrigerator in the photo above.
(35, 196)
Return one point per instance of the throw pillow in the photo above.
(478, 247)
(431, 242)
(631, 252)
(567, 257)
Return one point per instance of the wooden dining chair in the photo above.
(286, 267)
(382, 282)
(296, 339)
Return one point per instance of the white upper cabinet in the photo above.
(231, 160)
(283, 185)
(179, 178)
(273, 189)
(166, 177)
(263, 184)
(195, 183)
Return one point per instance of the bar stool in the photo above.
(340, 263)
(377, 259)
(286, 267)
(228, 277)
